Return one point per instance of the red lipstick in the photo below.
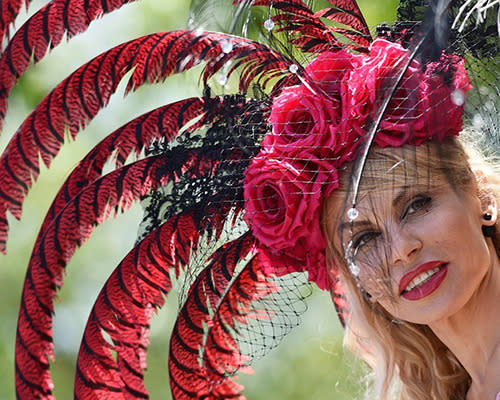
(428, 287)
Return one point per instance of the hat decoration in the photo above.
(235, 183)
(314, 133)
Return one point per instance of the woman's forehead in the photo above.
(383, 193)
(388, 178)
(398, 167)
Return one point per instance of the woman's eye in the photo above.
(364, 239)
(417, 204)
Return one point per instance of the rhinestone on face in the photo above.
(227, 47)
(458, 97)
(352, 214)
(269, 24)
(354, 269)
(293, 68)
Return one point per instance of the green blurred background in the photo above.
(310, 364)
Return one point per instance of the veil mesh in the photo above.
(243, 125)
(239, 188)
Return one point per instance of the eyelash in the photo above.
(417, 203)
(364, 238)
(424, 203)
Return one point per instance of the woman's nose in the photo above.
(404, 246)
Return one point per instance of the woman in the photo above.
(346, 170)
(412, 240)
(423, 304)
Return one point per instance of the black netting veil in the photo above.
(234, 127)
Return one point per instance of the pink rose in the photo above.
(283, 203)
(306, 126)
(328, 71)
(444, 103)
(369, 84)
(303, 120)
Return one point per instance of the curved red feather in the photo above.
(310, 33)
(221, 355)
(9, 9)
(348, 13)
(76, 100)
(123, 310)
(124, 307)
(188, 379)
(163, 122)
(44, 30)
(296, 17)
(72, 226)
(133, 137)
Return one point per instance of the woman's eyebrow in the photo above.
(354, 224)
(403, 193)
(408, 190)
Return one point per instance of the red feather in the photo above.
(74, 102)
(188, 379)
(163, 122)
(310, 33)
(221, 354)
(124, 307)
(9, 9)
(133, 137)
(348, 13)
(72, 226)
(45, 29)
(296, 17)
(123, 310)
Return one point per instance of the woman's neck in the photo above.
(473, 333)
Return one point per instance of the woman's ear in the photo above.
(489, 206)
(490, 214)
(489, 220)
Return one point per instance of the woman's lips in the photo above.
(429, 286)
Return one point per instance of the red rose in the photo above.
(368, 85)
(303, 120)
(328, 71)
(307, 126)
(283, 203)
(444, 103)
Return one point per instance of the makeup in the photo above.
(422, 280)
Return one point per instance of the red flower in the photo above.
(307, 126)
(283, 204)
(368, 85)
(302, 120)
(444, 103)
(328, 71)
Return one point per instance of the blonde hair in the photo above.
(406, 357)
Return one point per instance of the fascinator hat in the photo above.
(234, 184)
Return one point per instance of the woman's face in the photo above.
(419, 248)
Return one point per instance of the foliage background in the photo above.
(309, 365)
